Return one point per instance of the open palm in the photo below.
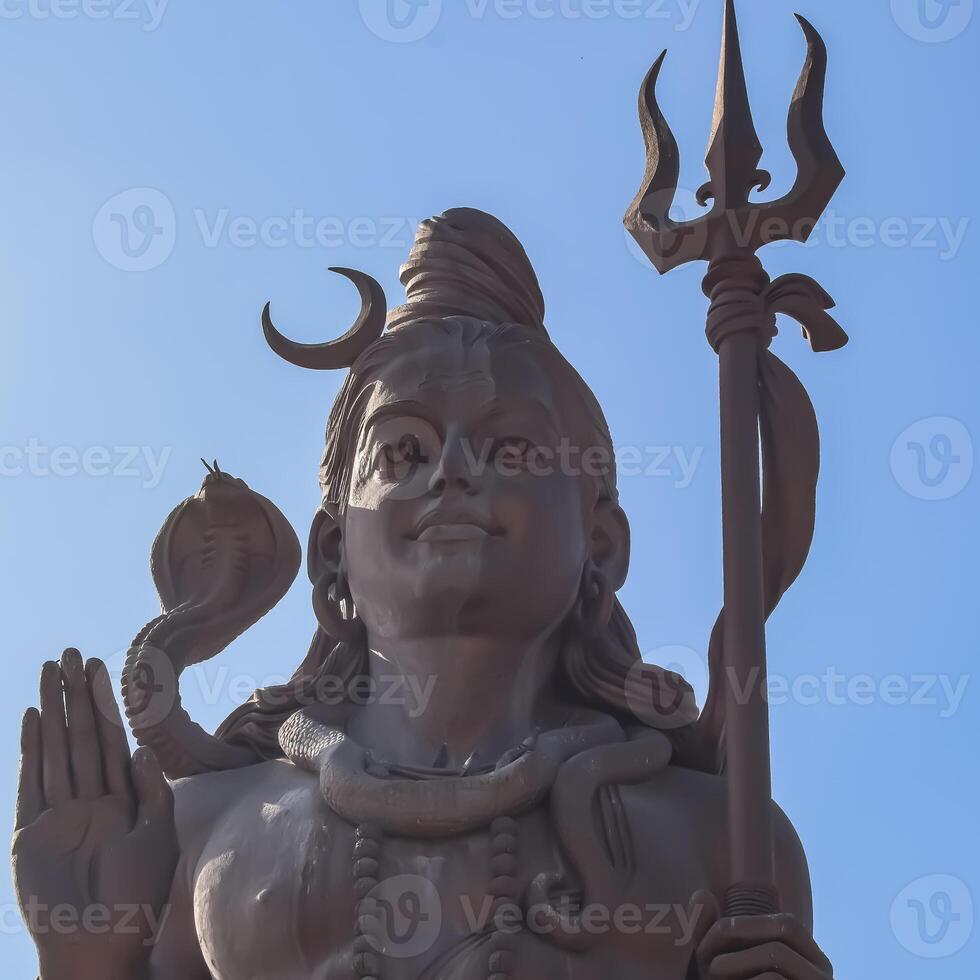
(95, 847)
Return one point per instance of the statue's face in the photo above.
(468, 513)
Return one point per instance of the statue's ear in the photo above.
(332, 600)
(611, 542)
(325, 550)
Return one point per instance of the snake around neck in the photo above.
(577, 769)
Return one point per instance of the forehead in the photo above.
(457, 369)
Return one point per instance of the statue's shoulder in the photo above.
(692, 802)
(690, 807)
(234, 828)
(205, 802)
(699, 798)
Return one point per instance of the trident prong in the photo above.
(734, 150)
(734, 223)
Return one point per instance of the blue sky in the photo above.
(248, 145)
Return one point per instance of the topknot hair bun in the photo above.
(468, 263)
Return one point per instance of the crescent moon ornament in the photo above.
(340, 353)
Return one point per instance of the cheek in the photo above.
(373, 545)
(369, 492)
(540, 570)
(545, 516)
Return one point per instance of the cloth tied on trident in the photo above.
(767, 529)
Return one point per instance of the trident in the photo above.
(741, 325)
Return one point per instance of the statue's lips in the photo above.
(453, 532)
(454, 525)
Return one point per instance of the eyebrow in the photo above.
(495, 409)
(408, 407)
(525, 402)
(456, 382)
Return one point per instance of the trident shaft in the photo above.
(741, 325)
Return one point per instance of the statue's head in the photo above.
(469, 484)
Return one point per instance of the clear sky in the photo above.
(167, 168)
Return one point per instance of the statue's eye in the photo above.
(399, 460)
(512, 451)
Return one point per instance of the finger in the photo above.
(112, 734)
(769, 959)
(83, 740)
(30, 789)
(734, 935)
(703, 911)
(156, 799)
(54, 737)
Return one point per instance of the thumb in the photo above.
(703, 912)
(154, 797)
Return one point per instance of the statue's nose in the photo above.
(455, 470)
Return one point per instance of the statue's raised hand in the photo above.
(95, 847)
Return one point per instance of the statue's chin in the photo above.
(458, 618)
(457, 594)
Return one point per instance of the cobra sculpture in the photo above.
(222, 560)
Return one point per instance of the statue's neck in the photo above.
(446, 701)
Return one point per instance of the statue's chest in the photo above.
(287, 890)
(272, 890)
